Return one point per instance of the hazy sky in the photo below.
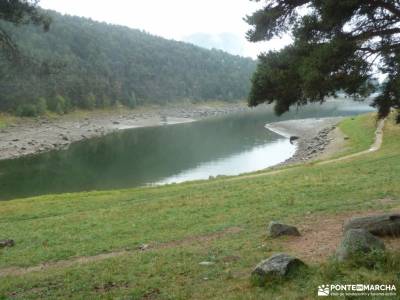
(174, 19)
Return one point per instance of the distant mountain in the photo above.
(103, 64)
(227, 41)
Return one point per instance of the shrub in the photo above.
(41, 105)
(34, 109)
(89, 102)
(27, 110)
(58, 104)
(131, 101)
(103, 102)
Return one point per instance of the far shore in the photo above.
(30, 136)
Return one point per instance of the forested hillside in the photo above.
(86, 64)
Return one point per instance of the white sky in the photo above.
(173, 19)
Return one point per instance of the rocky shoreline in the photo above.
(311, 136)
(32, 136)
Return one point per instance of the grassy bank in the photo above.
(220, 221)
(361, 132)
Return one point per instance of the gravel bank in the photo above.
(33, 136)
(314, 136)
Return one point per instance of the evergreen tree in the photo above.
(19, 12)
(338, 45)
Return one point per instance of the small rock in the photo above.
(277, 266)
(6, 243)
(276, 229)
(116, 122)
(356, 242)
(144, 247)
(380, 225)
(206, 263)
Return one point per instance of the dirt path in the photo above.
(203, 239)
(321, 235)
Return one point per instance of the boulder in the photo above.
(293, 138)
(380, 225)
(6, 243)
(276, 229)
(277, 266)
(356, 242)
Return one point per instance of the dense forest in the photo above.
(87, 64)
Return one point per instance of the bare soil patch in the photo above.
(320, 236)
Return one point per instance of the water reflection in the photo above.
(258, 158)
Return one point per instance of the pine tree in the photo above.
(338, 45)
(19, 12)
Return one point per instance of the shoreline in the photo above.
(27, 137)
(316, 137)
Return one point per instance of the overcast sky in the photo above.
(173, 19)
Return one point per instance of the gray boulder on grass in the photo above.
(277, 266)
(276, 229)
(381, 225)
(6, 243)
(356, 242)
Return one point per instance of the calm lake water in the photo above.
(227, 145)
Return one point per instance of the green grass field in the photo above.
(361, 130)
(222, 221)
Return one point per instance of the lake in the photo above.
(227, 145)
